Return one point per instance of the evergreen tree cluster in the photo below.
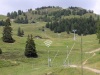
(19, 17)
(30, 49)
(75, 8)
(22, 20)
(39, 12)
(45, 18)
(14, 14)
(70, 11)
(45, 7)
(57, 15)
(46, 13)
(20, 32)
(2, 23)
(82, 25)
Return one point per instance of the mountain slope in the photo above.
(49, 13)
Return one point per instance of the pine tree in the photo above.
(20, 32)
(0, 51)
(15, 14)
(98, 31)
(7, 32)
(19, 12)
(26, 20)
(47, 25)
(8, 15)
(30, 49)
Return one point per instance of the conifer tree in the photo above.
(98, 31)
(7, 32)
(30, 49)
(20, 32)
(0, 51)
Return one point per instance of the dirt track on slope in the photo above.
(86, 67)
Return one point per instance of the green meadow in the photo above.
(13, 61)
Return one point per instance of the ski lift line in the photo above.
(69, 53)
(55, 56)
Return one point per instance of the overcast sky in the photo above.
(14, 5)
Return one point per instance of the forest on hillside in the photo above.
(81, 25)
(59, 19)
(45, 14)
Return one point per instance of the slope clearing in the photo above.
(13, 61)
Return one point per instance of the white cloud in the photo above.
(96, 7)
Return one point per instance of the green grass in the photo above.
(2, 17)
(94, 62)
(15, 63)
(70, 71)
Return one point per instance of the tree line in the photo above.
(82, 25)
(45, 7)
(56, 15)
(22, 20)
(45, 14)
(14, 14)
(19, 17)
(70, 11)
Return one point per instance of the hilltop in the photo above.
(48, 13)
(59, 19)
